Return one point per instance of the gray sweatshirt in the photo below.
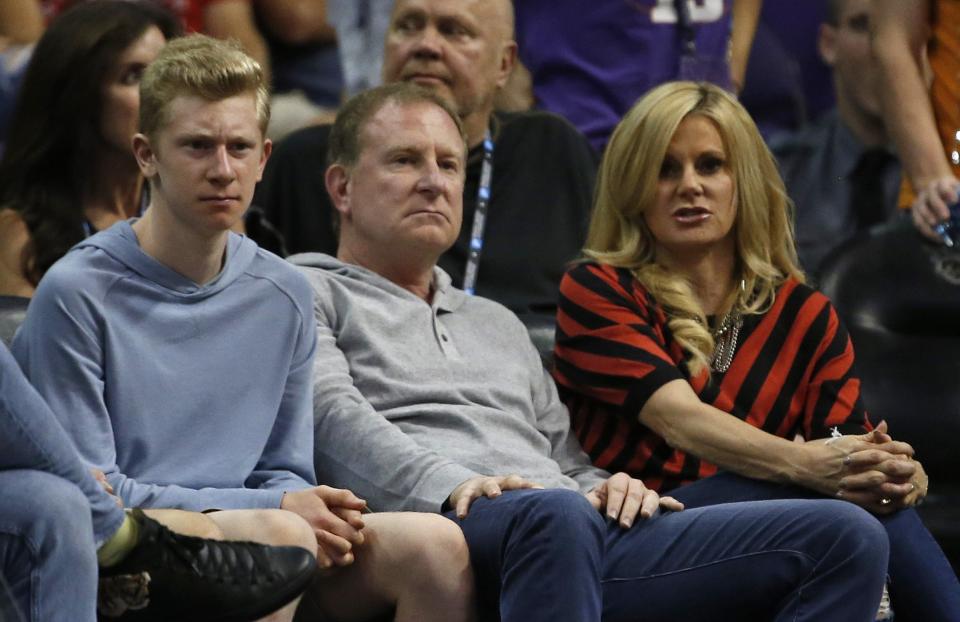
(411, 399)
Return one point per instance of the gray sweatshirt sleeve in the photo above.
(358, 449)
(553, 421)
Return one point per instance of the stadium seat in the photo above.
(899, 296)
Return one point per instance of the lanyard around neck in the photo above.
(479, 217)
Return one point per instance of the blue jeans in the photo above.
(53, 515)
(548, 555)
(923, 586)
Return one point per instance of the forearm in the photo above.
(136, 494)
(233, 19)
(297, 22)
(359, 449)
(899, 44)
(746, 15)
(676, 413)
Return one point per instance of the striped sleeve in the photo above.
(608, 349)
(833, 394)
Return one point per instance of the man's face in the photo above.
(846, 48)
(406, 190)
(459, 48)
(205, 161)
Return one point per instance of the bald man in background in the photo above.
(542, 169)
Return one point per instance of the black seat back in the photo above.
(899, 297)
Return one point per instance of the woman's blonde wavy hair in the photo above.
(626, 187)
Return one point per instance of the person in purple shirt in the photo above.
(591, 65)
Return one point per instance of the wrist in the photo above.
(798, 462)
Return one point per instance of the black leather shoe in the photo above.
(199, 579)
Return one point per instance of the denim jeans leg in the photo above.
(47, 552)
(537, 555)
(923, 585)
(32, 438)
(802, 561)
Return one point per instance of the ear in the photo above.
(146, 156)
(264, 156)
(508, 58)
(337, 180)
(827, 44)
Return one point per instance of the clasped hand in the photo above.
(873, 471)
(335, 515)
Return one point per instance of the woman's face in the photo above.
(121, 90)
(694, 206)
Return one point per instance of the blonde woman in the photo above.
(687, 339)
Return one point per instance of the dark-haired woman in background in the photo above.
(687, 339)
(68, 168)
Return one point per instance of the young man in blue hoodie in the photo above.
(178, 355)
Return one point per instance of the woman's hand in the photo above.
(622, 498)
(871, 470)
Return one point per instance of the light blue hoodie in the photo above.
(186, 396)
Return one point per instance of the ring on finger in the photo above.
(886, 501)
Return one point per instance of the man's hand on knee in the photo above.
(469, 491)
(334, 515)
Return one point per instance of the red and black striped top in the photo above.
(791, 373)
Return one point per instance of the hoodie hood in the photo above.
(121, 244)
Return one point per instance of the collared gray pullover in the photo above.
(411, 398)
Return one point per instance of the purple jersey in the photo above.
(591, 61)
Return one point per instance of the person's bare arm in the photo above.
(746, 14)
(21, 21)
(296, 22)
(233, 19)
(901, 31)
(676, 413)
(899, 42)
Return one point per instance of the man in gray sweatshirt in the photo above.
(429, 399)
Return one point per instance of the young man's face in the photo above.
(205, 162)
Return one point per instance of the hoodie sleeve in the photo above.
(60, 349)
(287, 459)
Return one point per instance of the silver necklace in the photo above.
(726, 334)
(725, 340)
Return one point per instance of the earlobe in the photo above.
(337, 181)
(264, 156)
(508, 60)
(144, 154)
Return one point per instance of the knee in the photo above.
(283, 528)
(445, 548)
(859, 534)
(419, 549)
(563, 509)
(44, 501)
(48, 511)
